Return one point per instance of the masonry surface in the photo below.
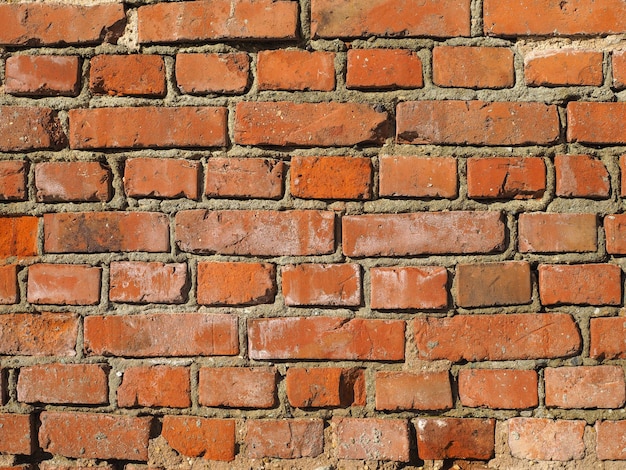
(314, 234)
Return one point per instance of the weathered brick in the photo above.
(73, 182)
(244, 178)
(585, 387)
(296, 70)
(13, 176)
(331, 177)
(506, 177)
(192, 436)
(619, 69)
(18, 236)
(256, 232)
(64, 284)
(411, 287)
(464, 438)
(162, 334)
(383, 69)
(413, 391)
(8, 285)
(17, 434)
(392, 18)
(326, 338)
(560, 67)
(581, 176)
(418, 177)
(29, 128)
(54, 465)
(608, 338)
(20, 334)
(34, 24)
(545, 439)
(497, 337)
(580, 284)
(372, 439)
(322, 284)
(422, 233)
(615, 230)
(148, 127)
(144, 283)
(237, 387)
(323, 387)
(596, 123)
(195, 21)
(161, 178)
(103, 232)
(155, 386)
(491, 284)
(198, 74)
(611, 440)
(95, 436)
(236, 283)
(42, 75)
(498, 389)
(473, 67)
(284, 438)
(542, 232)
(309, 124)
(127, 75)
(81, 384)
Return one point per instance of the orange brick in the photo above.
(20, 334)
(541, 232)
(580, 284)
(491, 284)
(128, 75)
(331, 177)
(423, 287)
(413, 391)
(585, 387)
(143, 283)
(237, 387)
(615, 229)
(464, 438)
(161, 178)
(506, 177)
(564, 67)
(244, 178)
(325, 387)
(418, 177)
(155, 386)
(198, 74)
(296, 70)
(596, 123)
(372, 439)
(322, 284)
(581, 176)
(284, 438)
(64, 284)
(42, 75)
(383, 69)
(8, 285)
(18, 236)
(73, 182)
(545, 439)
(473, 67)
(236, 283)
(29, 128)
(17, 434)
(192, 436)
(498, 389)
(13, 176)
(619, 69)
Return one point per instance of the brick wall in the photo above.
(312, 234)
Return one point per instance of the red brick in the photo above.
(155, 386)
(42, 75)
(127, 75)
(585, 387)
(18, 236)
(476, 123)
(581, 176)
(615, 229)
(198, 74)
(372, 439)
(383, 69)
(56, 24)
(284, 438)
(611, 440)
(608, 338)
(8, 285)
(51, 465)
(103, 232)
(326, 338)
(244, 178)
(491, 284)
(560, 67)
(13, 176)
(413, 391)
(411, 287)
(422, 233)
(506, 177)
(17, 434)
(144, 283)
(236, 283)
(619, 69)
(64, 284)
(29, 128)
(161, 178)
(20, 334)
(464, 438)
(596, 123)
(237, 387)
(309, 124)
(418, 177)
(545, 439)
(541, 232)
(296, 70)
(622, 166)
(497, 337)
(392, 18)
(549, 18)
(81, 384)
(580, 284)
(166, 334)
(211, 439)
(95, 436)
(498, 389)
(256, 232)
(148, 127)
(473, 67)
(325, 387)
(195, 21)
(322, 284)
(73, 182)
(331, 177)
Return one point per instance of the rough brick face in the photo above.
(325, 387)
(619, 69)
(17, 434)
(581, 176)
(615, 229)
(20, 334)
(73, 182)
(485, 285)
(608, 338)
(237, 387)
(127, 75)
(18, 236)
(422, 287)
(244, 177)
(596, 123)
(139, 282)
(506, 178)
(64, 284)
(372, 439)
(155, 386)
(506, 389)
(198, 74)
(285, 439)
(418, 177)
(13, 175)
(42, 75)
(473, 67)
(236, 283)
(583, 284)
(161, 178)
(296, 70)
(331, 177)
(413, 391)
(23, 128)
(557, 67)
(545, 439)
(383, 69)
(322, 284)
(585, 387)
(212, 439)
(610, 435)
(444, 438)
(541, 232)
(8, 284)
